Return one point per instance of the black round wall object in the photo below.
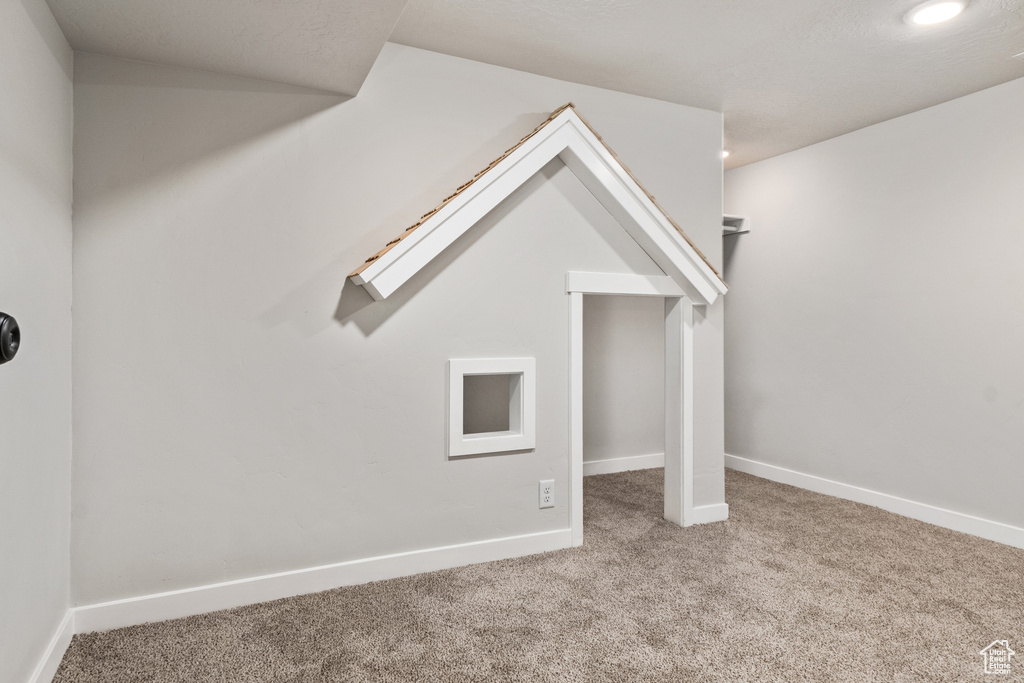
(10, 338)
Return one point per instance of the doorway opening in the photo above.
(678, 394)
(623, 386)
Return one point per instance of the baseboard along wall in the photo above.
(213, 597)
(957, 521)
(54, 653)
(702, 514)
(623, 464)
(706, 514)
(218, 596)
(229, 594)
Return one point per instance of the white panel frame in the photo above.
(679, 421)
(524, 410)
(570, 139)
(622, 284)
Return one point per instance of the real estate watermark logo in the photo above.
(997, 657)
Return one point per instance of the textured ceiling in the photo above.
(786, 73)
(328, 45)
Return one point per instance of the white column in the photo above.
(576, 416)
(679, 410)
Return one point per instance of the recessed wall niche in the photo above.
(491, 405)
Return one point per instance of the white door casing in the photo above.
(678, 387)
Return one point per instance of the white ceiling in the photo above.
(324, 45)
(786, 73)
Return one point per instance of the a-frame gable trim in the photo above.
(565, 134)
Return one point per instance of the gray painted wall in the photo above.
(240, 408)
(876, 320)
(35, 287)
(623, 376)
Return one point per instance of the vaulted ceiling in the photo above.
(327, 45)
(786, 73)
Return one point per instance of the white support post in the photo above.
(576, 417)
(679, 410)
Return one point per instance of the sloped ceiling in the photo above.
(786, 74)
(327, 45)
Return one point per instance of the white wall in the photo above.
(875, 319)
(240, 408)
(623, 377)
(35, 287)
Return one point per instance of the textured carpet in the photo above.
(795, 586)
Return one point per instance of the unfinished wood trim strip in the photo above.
(460, 190)
(408, 257)
(566, 135)
(645, 191)
(494, 163)
(595, 167)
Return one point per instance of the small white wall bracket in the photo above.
(735, 225)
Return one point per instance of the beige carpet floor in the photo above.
(795, 586)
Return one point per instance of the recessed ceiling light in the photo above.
(935, 12)
(725, 153)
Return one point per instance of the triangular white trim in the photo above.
(569, 138)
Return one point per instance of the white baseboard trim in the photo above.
(624, 464)
(957, 521)
(705, 514)
(50, 661)
(218, 596)
(702, 514)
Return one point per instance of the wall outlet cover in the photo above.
(547, 494)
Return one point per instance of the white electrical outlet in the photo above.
(547, 493)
